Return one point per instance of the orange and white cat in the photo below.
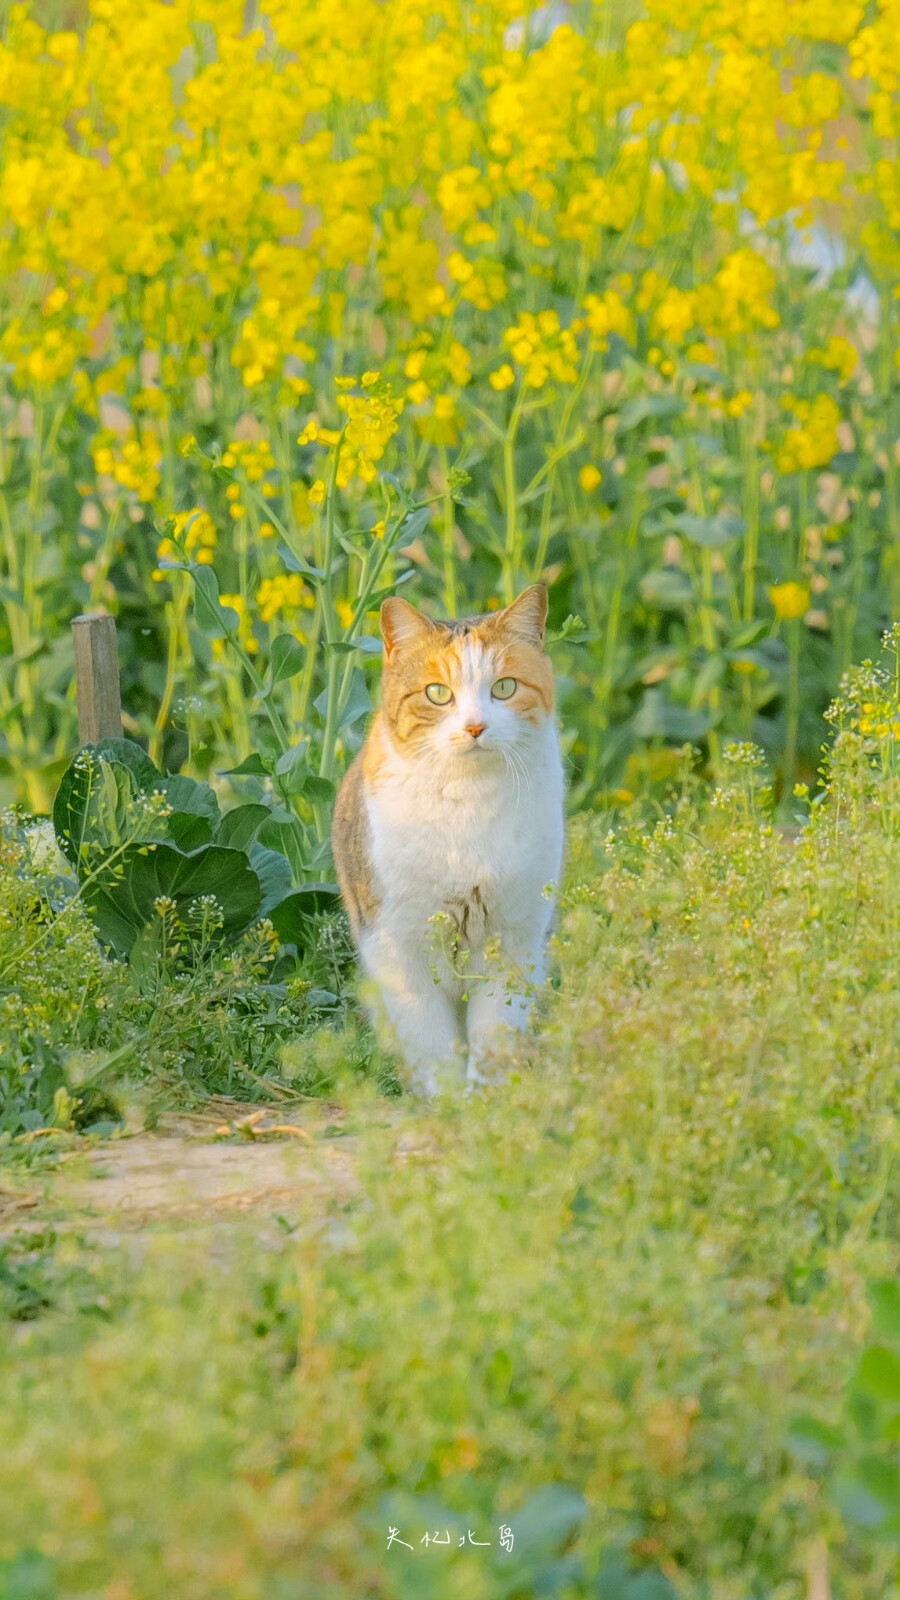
(448, 833)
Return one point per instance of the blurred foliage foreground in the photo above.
(594, 293)
(639, 1306)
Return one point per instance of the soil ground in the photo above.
(192, 1169)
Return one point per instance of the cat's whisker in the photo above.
(513, 771)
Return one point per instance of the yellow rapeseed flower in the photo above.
(789, 600)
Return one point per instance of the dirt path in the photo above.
(192, 1169)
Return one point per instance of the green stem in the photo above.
(793, 710)
(511, 549)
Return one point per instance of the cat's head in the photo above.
(464, 688)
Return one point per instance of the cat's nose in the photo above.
(475, 728)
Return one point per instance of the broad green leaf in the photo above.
(712, 532)
(857, 1502)
(659, 718)
(100, 809)
(286, 658)
(668, 588)
(878, 1373)
(709, 675)
(618, 1579)
(659, 407)
(291, 764)
(122, 900)
(292, 918)
(881, 1478)
(188, 830)
(499, 1374)
(213, 618)
(130, 755)
(274, 873)
(28, 1576)
(297, 779)
(185, 794)
(357, 704)
(239, 827)
(252, 766)
(546, 1521)
(885, 1298)
(79, 789)
(812, 1441)
(286, 834)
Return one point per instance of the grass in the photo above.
(591, 1305)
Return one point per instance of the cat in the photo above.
(448, 834)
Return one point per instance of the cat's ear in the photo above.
(401, 623)
(526, 618)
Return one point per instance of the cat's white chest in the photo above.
(477, 842)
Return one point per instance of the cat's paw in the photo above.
(431, 1081)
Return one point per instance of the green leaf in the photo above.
(130, 755)
(292, 918)
(709, 675)
(28, 1576)
(239, 827)
(668, 588)
(287, 835)
(185, 794)
(357, 704)
(252, 766)
(619, 1580)
(712, 532)
(213, 618)
(857, 1503)
(749, 633)
(188, 830)
(79, 787)
(292, 762)
(414, 525)
(878, 1373)
(573, 631)
(297, 778)
(659, 718)
(122, 899)
(274, 874)
(286, 658)
(881, 1479)
(661, 407)
(99, 810)
(296, 563)
(546, 1521)
(365, 642)
(499, 1375)
(885, 1298)
(812, 1441)
(312, 786)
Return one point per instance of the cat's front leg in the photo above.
(501, 1000)
(416, 1013)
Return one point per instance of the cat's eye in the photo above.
(438, 694)
(504, 688)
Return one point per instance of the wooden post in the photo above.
(97, 679)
